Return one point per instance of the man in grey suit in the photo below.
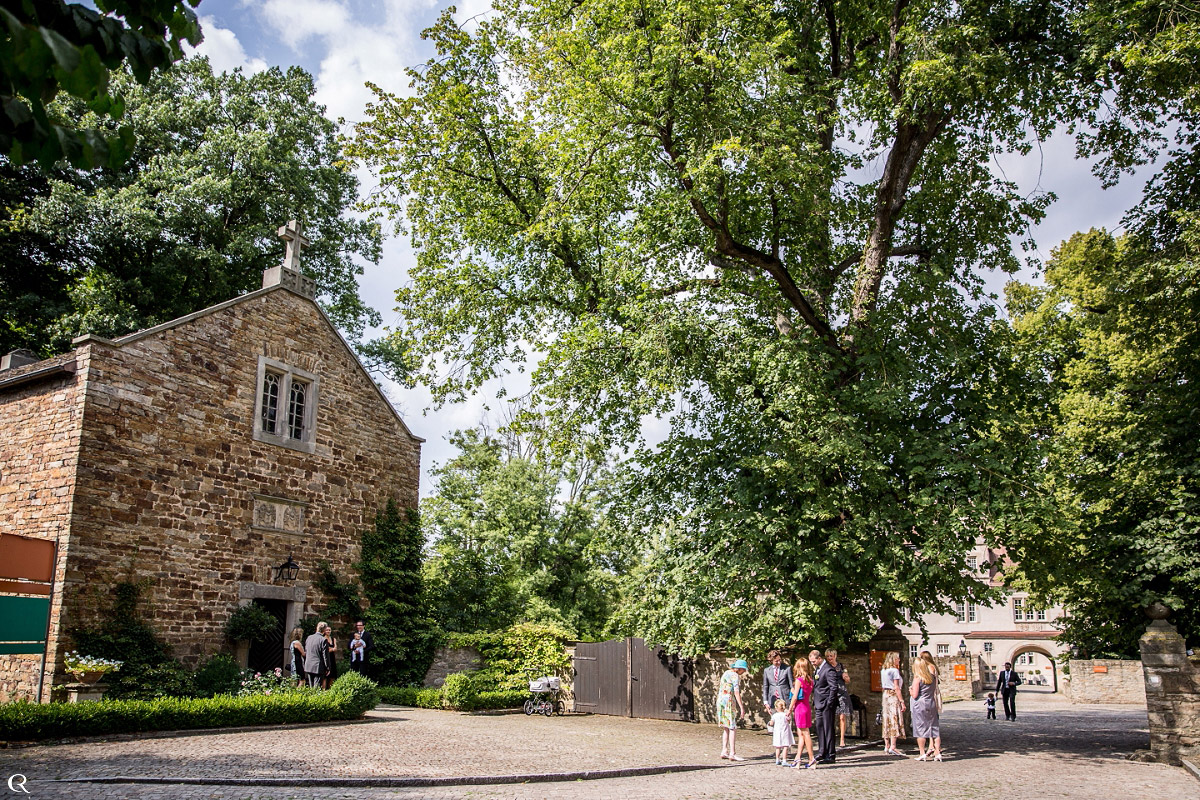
(315, 649)
(777, 682)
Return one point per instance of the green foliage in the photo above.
(459, 688)
(437, 698)
(354, 693)
(251, 623)
(148, 670)
(220, 674)
(190, 220)
(673, 204)
(346, 699)
(508, 548)
(342, 600)
(511, 656)
(411, 696)
(1114, 337)
(390, 570)
(50, 46)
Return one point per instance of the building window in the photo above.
(1041, 615)
(943, 649)
(270, 402)
(960, 612)
(972, 613)
(296, 396)
(912, 651)
(286, 411)
(1019, 609)
(973, 563)
(987, 647)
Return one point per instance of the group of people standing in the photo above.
(815, 696)
(314, 659)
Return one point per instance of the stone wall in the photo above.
(171, 486)
(1172, 692)
(1119, 681)
(39, 452)
(952, 688)
(448, 660)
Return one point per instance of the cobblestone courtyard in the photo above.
(1054, 751)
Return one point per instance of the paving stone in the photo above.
(1054, 751)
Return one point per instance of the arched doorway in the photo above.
(1037, 667)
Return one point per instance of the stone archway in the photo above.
(1025, 648)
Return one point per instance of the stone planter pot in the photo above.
(89, 677)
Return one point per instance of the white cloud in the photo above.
(223, 49)
(298, 20)
(374, 44)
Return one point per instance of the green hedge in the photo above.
(436, 698)
(350, 697)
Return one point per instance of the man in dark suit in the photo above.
(826, 688)
(361, 627)
(777, 682)
(1007, 685)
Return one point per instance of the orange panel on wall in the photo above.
(877, 657)
(32, 559)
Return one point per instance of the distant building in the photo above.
(196, 458)
(1014, 631)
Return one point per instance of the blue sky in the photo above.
(344, 43)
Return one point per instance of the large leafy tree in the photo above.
(1112, 336)
(509, 543)
(190, 219)
(1115, 335)
(769, 222)
(50, 46)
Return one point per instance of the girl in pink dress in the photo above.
(802, 703)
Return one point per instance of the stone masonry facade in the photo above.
(145, 465)
(1105, 680)
(1172, 693)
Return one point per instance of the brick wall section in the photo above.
(448, 660)
(39, 452)
(1122, 683)
(168, 468)
(1172, 694)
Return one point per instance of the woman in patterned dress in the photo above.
(730, 690)
(893, 703)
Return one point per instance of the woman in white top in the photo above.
(893, 703)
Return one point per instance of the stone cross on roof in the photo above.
(292, 233)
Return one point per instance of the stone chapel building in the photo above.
(196, 457)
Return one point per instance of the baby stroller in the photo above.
(546, 697)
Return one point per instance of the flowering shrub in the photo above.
(79, 664)
(266, 683)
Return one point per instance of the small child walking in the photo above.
(990, 705)
(781, 733)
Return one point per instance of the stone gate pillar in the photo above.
(888, 637)
(1172, 690)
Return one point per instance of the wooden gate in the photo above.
(624, 677)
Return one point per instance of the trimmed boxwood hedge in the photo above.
(350, 697)
(436, 698)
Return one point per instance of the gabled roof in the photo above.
(120, 341)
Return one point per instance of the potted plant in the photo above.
(249, 623)
(89, 669)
